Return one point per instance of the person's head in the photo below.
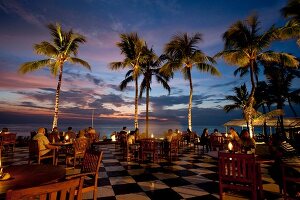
(4, 130)
(92, 131)
(205, 131)
(55, 129)
(231, 129)
(41, 130)
(81, 133)
(216, 130)
(245, 133)
(69, 128)
(176, 130)
(170, 131)
(124, 128)
(188, 130)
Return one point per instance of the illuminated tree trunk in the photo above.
(190, 101)
(136, 123)
(249, 113)
(55, 118)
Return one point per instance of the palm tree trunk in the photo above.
(190, 101)
(265, 123)
(251, 99)
(136, 123)
(147, 110)
(55, 118)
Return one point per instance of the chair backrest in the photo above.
(216, 140)
(9, 138)
(80, 145)
(65, 190)
(148, 145)
(238, 168)
(91, 161)
(33, 148)
(174, 144)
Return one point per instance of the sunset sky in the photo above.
(30, 97)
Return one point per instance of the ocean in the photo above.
(105, 130)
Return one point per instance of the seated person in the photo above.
(216, 133)
(131, 138)
(233, 135)
(44, 144)
(91, 133)
(54, 135)
(123, 131)
(70, 133)
(171, 135)
(81, 134)
(4, 130)
(246, 142)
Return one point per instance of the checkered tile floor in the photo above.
(190, 176)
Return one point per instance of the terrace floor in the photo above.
(190, 176)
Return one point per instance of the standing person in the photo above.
(44, 144)
(204, 140)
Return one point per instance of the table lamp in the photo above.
(3, 176)
(230, 147)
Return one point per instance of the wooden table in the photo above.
(62, 144)
(25, 176)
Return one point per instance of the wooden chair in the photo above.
(80, 145)
(36, 154)
(8, 140)
(290, 177)
(90, 168)
(239, 172)
(216, 142)
(66, 190)
(174, 148)
(149, 147)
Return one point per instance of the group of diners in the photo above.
(48, 141)
(241, 142)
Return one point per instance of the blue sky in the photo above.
(31, 96)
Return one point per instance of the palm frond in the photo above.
(47, 49)
(75, 60)
(124, 83)
(204, 67)
(34, 65)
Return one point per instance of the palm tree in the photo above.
(182, 54)
(134, 50)
(279, 83)
(62, 48)
(292, 27)
(239, 100)
(149, 69)
(244, 47)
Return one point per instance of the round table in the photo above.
(25, 176)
